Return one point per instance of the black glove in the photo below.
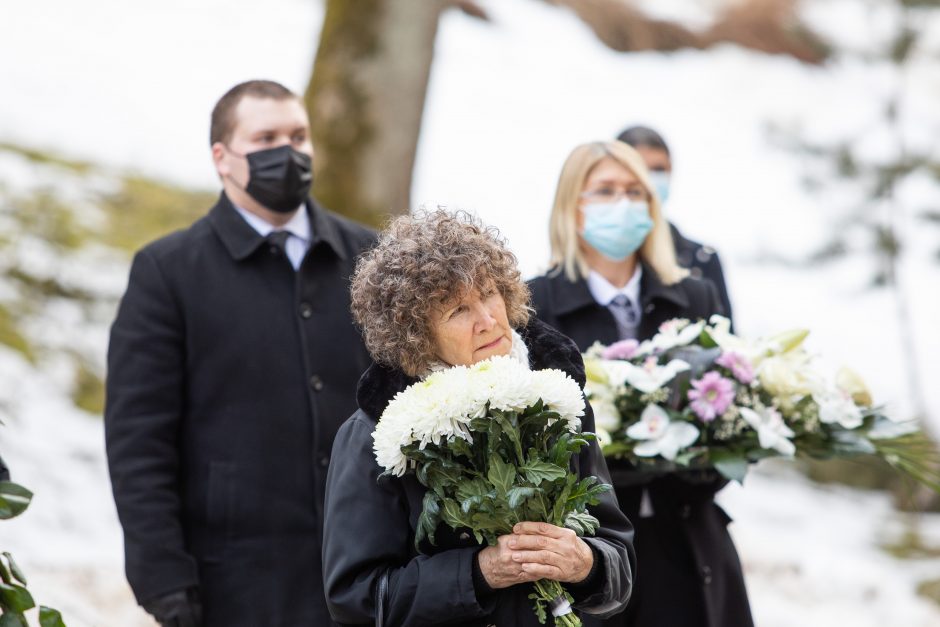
(177, 609)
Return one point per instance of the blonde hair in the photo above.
(657, 250)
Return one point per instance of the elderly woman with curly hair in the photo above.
(438, 291)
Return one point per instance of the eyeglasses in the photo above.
(609, 194)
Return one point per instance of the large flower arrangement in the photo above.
(695, 396)
(493, 444)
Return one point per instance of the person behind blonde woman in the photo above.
(614, 276)
(700, 259)
(442, 290)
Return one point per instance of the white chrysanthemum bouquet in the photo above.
(695, 396)
(493, 444)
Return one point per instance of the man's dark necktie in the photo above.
(277, 240)
(625, 315)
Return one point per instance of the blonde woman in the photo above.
(614, 276)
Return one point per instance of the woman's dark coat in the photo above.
(688, 572)
(370, 525)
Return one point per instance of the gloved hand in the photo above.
(177, 609)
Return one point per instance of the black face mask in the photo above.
(279, 178)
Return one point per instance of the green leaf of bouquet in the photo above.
(471, 493)
(582, 523)
(560, 508)
(538, 471)
(539, 607)
(706, 340)
(429, 518)
(848, 443)
(9, 619)
(518, 494)
(15, 597)
(14, 499)
(453, 515)
(14, 569)
(49, 617)
(490, 522)
(501, 474)
(733, 468)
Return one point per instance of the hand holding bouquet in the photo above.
(493, 443)
(697, 396)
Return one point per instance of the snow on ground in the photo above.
(131, 85)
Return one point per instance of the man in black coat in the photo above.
(701, 260)
(233, 361)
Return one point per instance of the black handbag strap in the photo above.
(381, 591)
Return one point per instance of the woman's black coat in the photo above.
(370, 525)
(688, 572)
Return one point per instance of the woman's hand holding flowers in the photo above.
(536, 550)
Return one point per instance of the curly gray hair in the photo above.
(419, 264)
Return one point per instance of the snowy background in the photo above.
(131, 85)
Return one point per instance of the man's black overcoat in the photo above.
(229, 374)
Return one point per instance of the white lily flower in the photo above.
(603, 437)
(660, 435)
(772, 432)
(672, 333)
(646, 378)
(853, 384)
(606, 416)
(837, 407)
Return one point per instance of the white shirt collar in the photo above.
(603, 292)
(298, 225)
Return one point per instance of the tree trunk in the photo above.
(365, 100)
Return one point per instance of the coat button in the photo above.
(649, 308)
(316, 383)
(274, 250)
(306, 310)
(685, 512)
(324, 460)
(706, 575)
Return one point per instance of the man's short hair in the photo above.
(223, 114)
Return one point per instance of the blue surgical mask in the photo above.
(660, 181)
(617, 229)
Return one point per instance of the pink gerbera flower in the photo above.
(624, 349)
(739, 365)
(711, 396)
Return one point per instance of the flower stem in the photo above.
(548, 591)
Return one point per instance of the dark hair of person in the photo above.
(643, 136)
(223, 114)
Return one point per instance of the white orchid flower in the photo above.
(837, 407)
(646, 378)
(660, 435)
(672, 333)
(772, 432)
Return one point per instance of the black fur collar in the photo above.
(548, 348)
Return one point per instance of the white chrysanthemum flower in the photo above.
(560, 393)
(441, 406)
(503, 382)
